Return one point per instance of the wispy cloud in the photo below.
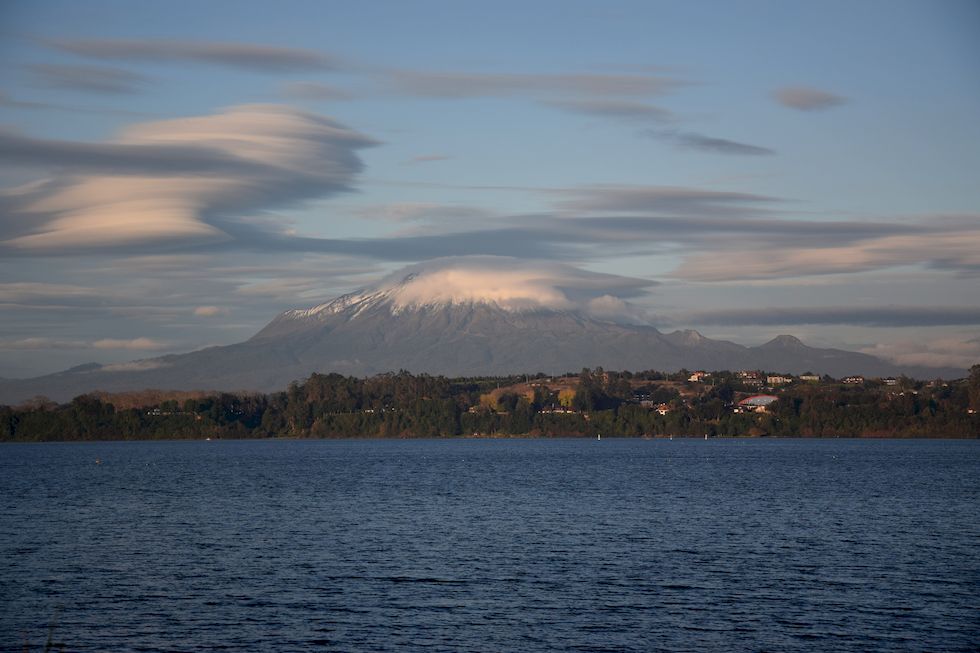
(708, 144)
(125, 344)
(306, 90)
(939, 243)
(133, 366)
(470, 84)
(660, 199)
(614, 109)
(140, 344)
(91, 79)
(32, 292)
(122, 158)
(422, 212)
(803, 98)
(9, 102)
(6, 100)
(877, 316)
(428, 158)
(41, 344)
(245, 56)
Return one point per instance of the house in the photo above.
(699, 377)
(662, 409)
(778, 380)
(853, 380)
(810, 378)
(890, 381)
(750, 377)
(557, 410)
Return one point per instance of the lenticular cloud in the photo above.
(188, 179)
(508, 283)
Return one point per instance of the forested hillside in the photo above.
(403, 405)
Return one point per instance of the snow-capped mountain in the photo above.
(457, 318)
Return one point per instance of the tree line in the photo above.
(402, 405)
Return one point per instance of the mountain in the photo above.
(421, 322)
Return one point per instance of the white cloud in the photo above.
(614, 308)
(941, 352)
(210, 311)
(512, 284)
(515, 288)
(133, 366)
(144, 344)
(40, 344)
(188, 179)
(956, 247)
(44, 343)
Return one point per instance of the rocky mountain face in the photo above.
(376, 331)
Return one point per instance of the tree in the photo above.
(566, 397)
(974, 387)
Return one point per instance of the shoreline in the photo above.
(366, 438)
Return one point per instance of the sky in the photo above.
(174, 174)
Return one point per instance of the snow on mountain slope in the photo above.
(500, 282)
(458, 317)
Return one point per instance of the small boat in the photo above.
(598, 436)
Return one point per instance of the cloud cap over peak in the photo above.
(512, 284)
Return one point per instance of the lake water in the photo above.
(492, 545)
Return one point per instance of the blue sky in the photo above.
(174, 174)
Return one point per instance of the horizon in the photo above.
(746, 172)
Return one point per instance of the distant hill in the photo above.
(393, 326)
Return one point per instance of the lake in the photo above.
(492, 545)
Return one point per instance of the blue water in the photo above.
(492, 545)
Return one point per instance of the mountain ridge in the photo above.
(372, 336)
(458, 316)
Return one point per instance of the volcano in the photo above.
(455, 320)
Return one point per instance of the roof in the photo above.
(758, 400)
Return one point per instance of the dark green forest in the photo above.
(616, 404)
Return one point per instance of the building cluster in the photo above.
(757, 378)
